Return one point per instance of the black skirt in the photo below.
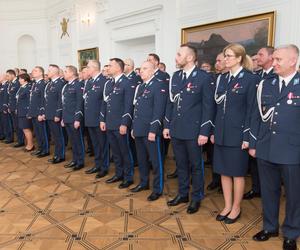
(24, 123)
(230, 161)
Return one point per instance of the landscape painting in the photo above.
(252, 32)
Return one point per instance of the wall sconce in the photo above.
(86, 20)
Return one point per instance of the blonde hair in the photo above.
(239, 51)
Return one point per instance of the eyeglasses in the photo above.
(226, 55)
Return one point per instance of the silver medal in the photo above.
(289, 101)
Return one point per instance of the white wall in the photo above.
(124, 28)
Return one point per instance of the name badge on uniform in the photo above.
(290, 96)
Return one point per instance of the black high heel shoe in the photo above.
(222, 217)
(231, 221)
(29, 150)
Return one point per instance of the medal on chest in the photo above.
(290, 96)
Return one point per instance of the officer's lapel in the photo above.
(294, 83)
(189, 79)
(236, 80)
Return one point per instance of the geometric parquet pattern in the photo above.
(45, 206)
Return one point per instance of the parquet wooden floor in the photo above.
(44, 206)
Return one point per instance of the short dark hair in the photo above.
(119, 62)
(163, 64)
(192, 48)
(25, 77)
(54, 66)
(41, 69)
(73, 69)
(11, 72)
(25, 70)
(155, 56)
(269, 49)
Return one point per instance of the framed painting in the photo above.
(253, 32)
(85, 55)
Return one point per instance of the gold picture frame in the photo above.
(253, 32)
(84, 55)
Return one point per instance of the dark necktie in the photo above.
(184, 78)
(231, 79)
(264, 74)
(283, 86)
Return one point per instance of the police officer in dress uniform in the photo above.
(188, 122)
(22, 107)
(164, 78)
(93, 101)
(116, 120)
(72, 116)
(135, 80)
(53, 112)
(36, 110)
(220, 68)
(264, 60)
(150, 103)
(276, 144)
(234, 96)
(3, 106)
(12, 89)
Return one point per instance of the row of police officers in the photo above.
(240, 112)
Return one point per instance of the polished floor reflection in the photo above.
(44, 206)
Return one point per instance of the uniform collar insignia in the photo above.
(194, 74)
(296, 81)
(241, 75)
(274, 81)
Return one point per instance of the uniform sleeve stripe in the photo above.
(203, 124)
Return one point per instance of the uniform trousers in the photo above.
(15, 127)
(58, 138)
(76, 138)
(188, 155)
(148, 150)
(254, 175)
(40, 132)
(100, 147)
(122, 155)
(271, 175)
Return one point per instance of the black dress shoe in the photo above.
(250, 195)
(51, 159)
(101, 174)
(18, 145)
(222, 217)
(230, 220)
(2, 138)
(213, 185)
(153, 196)
(114, 179)
(289, 244)
(70, 164)
(264, 235)
(178, 200)
(37, 152)
(41, 155)
(125, 184)
(92, 170)
(58, 160)
(91, 154)
(193, 207)
(173, 175)
(78, 167)
(139, 188)
(8, 142)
